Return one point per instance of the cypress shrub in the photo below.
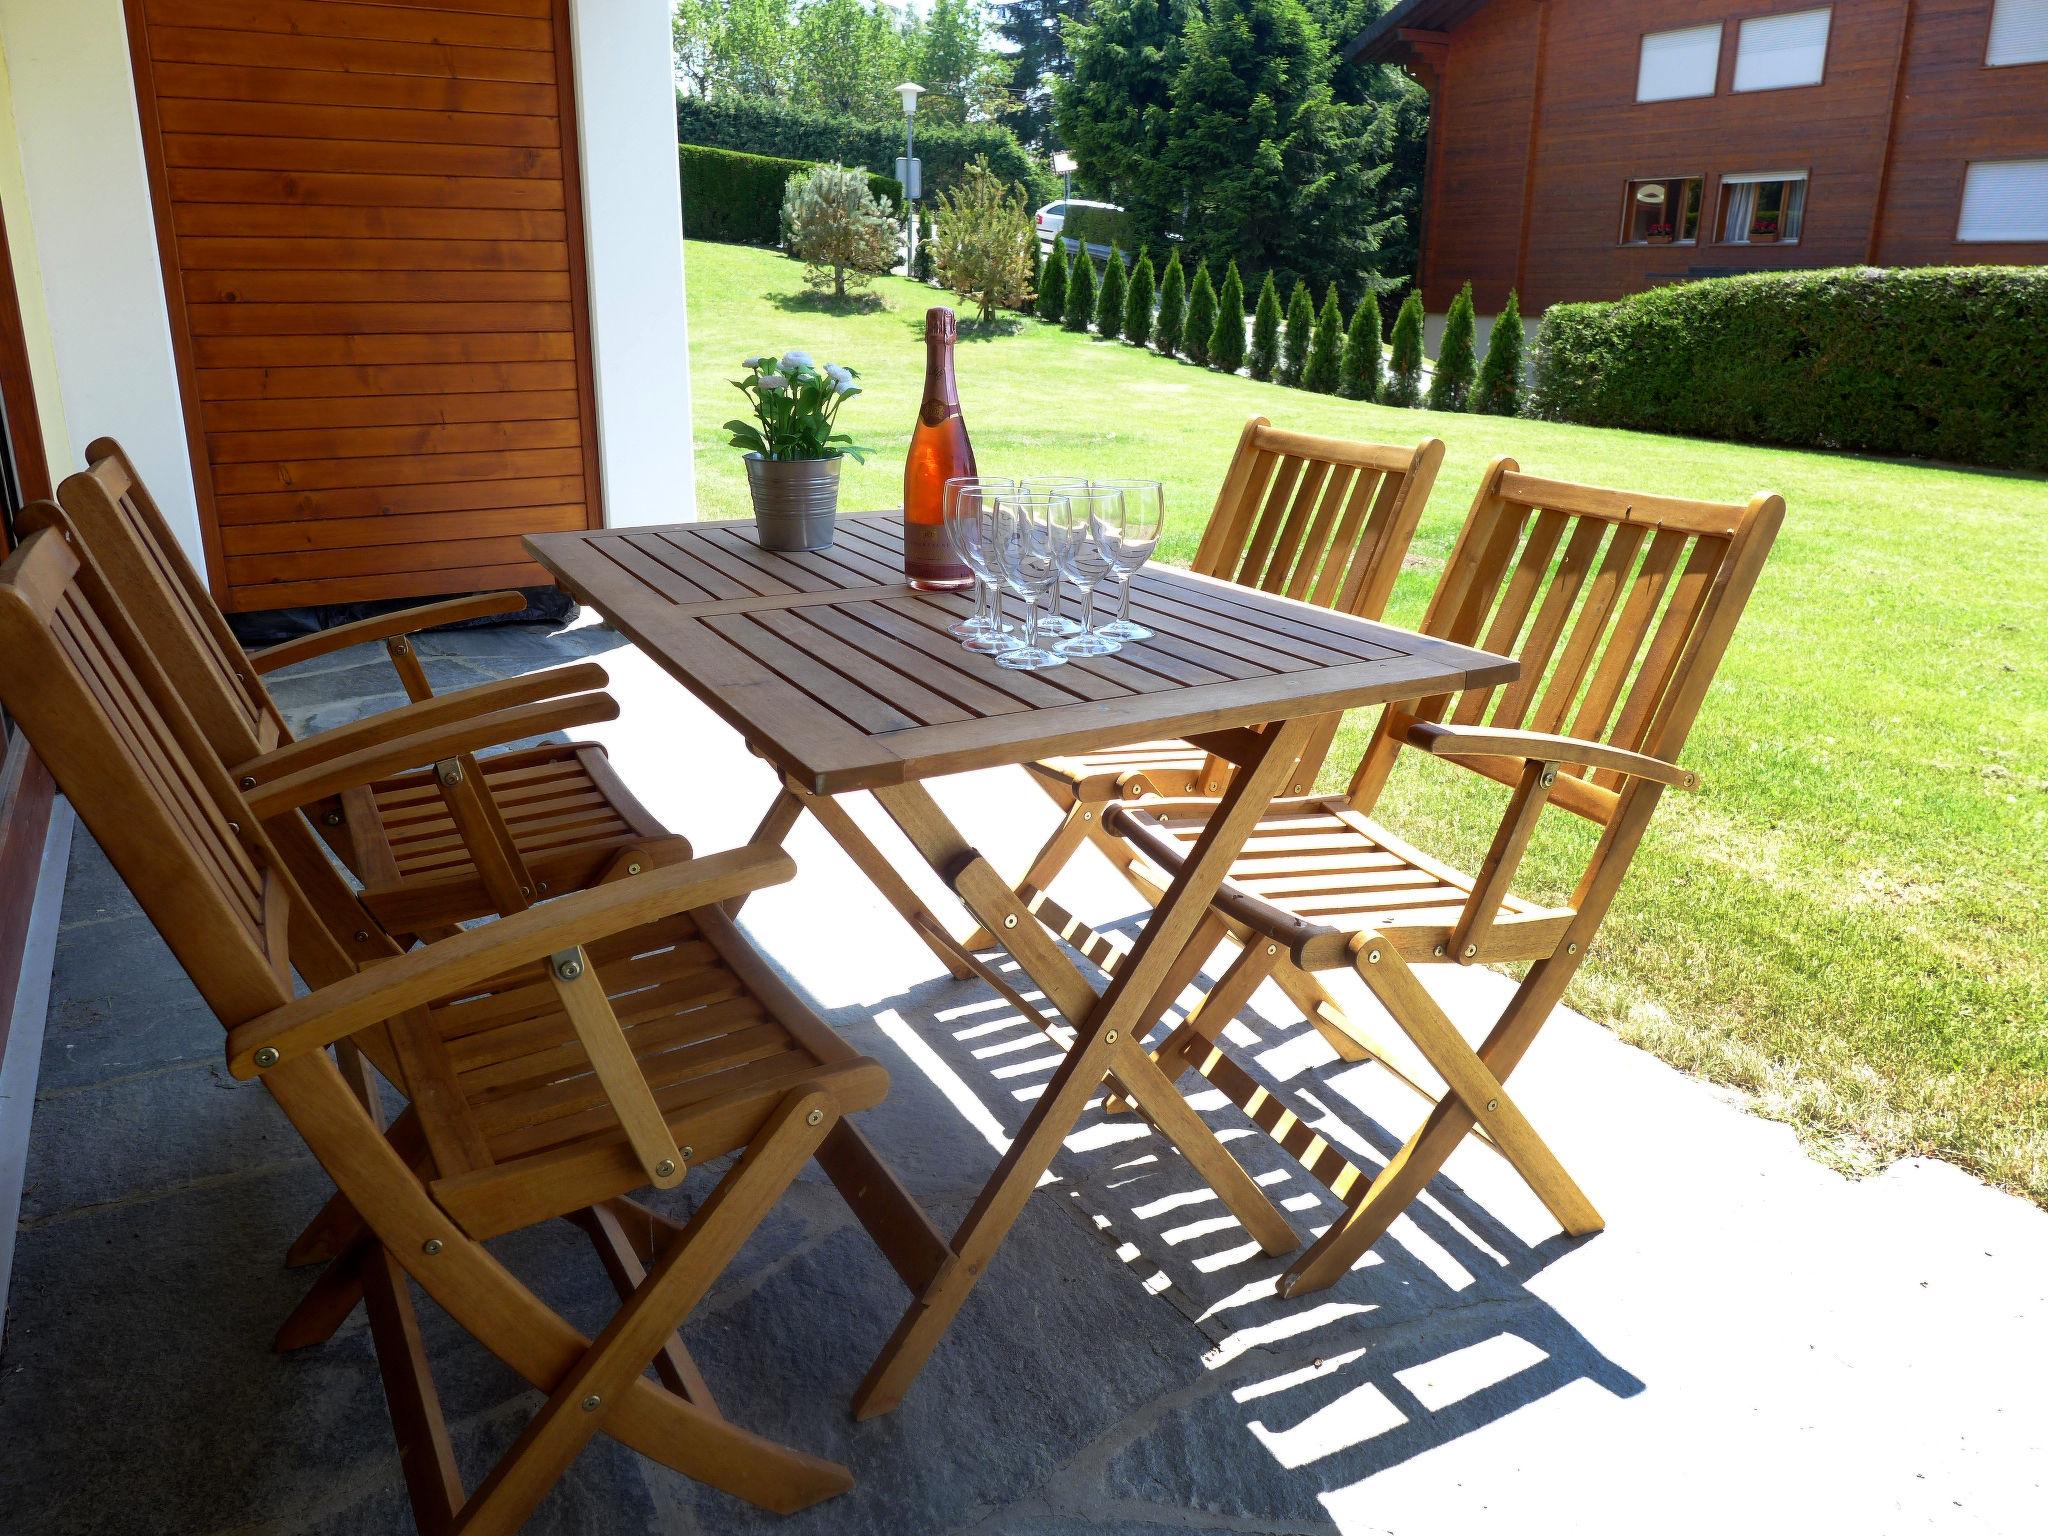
(1173, 307)
(1201, 321)
(1455, 361)
(1030, 303)
(1499, 390)
(1360, 379)
(1109, 299)
(922, 268)
(1325, 348)
(1300, 331)
(1226, 346)
(1265, 352)
(1404, 377)
(1052, 285)
(737, 198)
(1080, 292)
(1138, 303)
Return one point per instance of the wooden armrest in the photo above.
(386, 758)
(384, 626)
(413, 719)
(1541, 746)
(476, 955)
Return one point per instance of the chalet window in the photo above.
(2005, 200)
(1762, 209)
(1773, 52)
(1662, 211)
(2019, 32)
(1678, 64)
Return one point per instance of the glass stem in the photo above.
(1123, 602)
(1031, 621)
(1088, 609)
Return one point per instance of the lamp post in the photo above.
(910, 178)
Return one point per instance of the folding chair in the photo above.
(1318, 518)
(434, 847)
(1619, 608)
(555, 1059)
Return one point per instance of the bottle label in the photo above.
(929, 554)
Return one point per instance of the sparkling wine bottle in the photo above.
(939, 451)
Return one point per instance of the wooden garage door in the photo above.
(373, 245)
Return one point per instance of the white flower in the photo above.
(839, 376)
(791, 361)
(752, 362)
(773, 381)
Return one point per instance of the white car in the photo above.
(1053, 216)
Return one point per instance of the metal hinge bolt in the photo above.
(267, 1056)
(568, 965)
(431, 1246)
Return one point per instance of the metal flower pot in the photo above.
(794, 500)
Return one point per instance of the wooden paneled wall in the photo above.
(372, 241)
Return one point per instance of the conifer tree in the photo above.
(1295, 339)
(1109, 301)
(1499, 390)
(1226, 345)
(1052, 285)
(1265, 352)
(1080, 292)
(1037, 279)
(1360, 378)
(1173, 307)
(1325, 348)
(1138, 303)
(1404, 375)
(1201, 321)
(1455, 364)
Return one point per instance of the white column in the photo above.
(633, 240)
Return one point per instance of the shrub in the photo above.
(985, 240)
(1200, 324)
(737, 198)
(1404, 368)
(1101, 226)
(1943, 363)
(1028, 303)
(924, 266)
(1052, 287)
(1138, 303)
(1265, 352)
(1300, 332)
(1455, 365)
(1325, 348)
(1360, 379)
(1080, 292)
(762, 126)
(1499, 390)
(1226, 344)
(838, 228)
(1173, 307)
(1109, 299)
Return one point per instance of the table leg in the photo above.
(1109, 1030)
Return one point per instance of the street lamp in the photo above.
(907, 173)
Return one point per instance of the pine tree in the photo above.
(1138, 303)
(1052, 285)
(1173, 307)
(1499, 390)
(1294, 341)
(1226, 345)
(1201, 321)
(1037, 278)
(1326, 347)
(921, 269)
(1455, 365)
(1360, 379)
(1109, 299)
(1080, 292)
(1404, 378)
(1265, 353)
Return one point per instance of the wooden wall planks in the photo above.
(372, 239)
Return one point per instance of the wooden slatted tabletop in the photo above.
(844, 676)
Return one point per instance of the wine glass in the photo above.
(1055, 623)
(971, 526)
(1022, 537)
(986, 622)
(1128, 539)
(1078, 551)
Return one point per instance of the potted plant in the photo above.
(1658, 234)
(793, 454)
(1763, 229)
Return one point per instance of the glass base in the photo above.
(991, 644)
(1025, 658)
(969, 628)
(1123, 629)
(1088, 645)
(1058, 625)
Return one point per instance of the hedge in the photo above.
(1102, 226)
(760, 126)
(1942, 363)
(738, 198)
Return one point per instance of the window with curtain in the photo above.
(1774, 52)
(1762, 209)
(2019, 32)
(2005, 200)
(1679, 64)
(1663, 210)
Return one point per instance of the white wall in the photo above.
(89, 209)
(633, 219)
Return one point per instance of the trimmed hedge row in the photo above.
(759, 126)
(1941, 363)
(737, 198)
(1101, 226)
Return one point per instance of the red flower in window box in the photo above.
(1763, 230)
(1659, 234)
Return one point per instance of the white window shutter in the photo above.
(2005, 200)
(1773, 52)
(1679, 64)
(2019, 32)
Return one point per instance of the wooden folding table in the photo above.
(843, 677)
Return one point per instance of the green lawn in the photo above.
(1850, 921)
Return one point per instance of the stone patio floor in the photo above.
(1754, 1343)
